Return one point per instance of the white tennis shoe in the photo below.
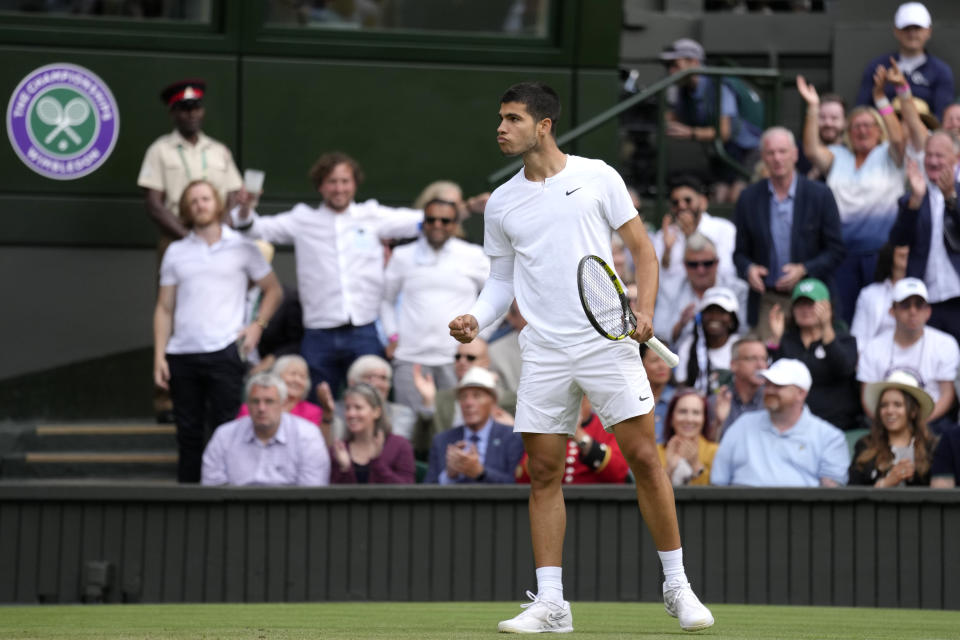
(540, 616)
(682, 603)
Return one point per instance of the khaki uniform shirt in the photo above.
(171, 163)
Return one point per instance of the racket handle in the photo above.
(665, 354)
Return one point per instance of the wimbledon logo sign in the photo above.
(63, 121)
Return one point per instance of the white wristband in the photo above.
(882, 103)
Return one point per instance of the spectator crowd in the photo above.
(817, 329)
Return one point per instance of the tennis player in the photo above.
(538, 225)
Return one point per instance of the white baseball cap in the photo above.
(907, 287)
(788, 371)
(722, 297)
(912, 14)
(479, 378)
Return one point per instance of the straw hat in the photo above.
(906, 383)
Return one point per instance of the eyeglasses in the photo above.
(700, 264)
(915, 302)
(434, 220)
(676, 202)
(469, 356)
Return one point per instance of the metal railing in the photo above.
(768, 77)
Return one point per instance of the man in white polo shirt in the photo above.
(339, 263)
(929, 355)
(785, 445)
(200, 340)
(436, 276)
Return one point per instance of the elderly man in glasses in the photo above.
(677, 305)
(929, 355)
(437, 276)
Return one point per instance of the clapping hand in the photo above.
(341, 455)
(945, 182)
(918, 185)
(777, 323)
(425, 386)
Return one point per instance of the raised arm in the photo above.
(915, 131)
(819, 155)
(890, 120)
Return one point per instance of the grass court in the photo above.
(460, 621)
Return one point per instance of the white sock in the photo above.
(672, 562)
(550, 584)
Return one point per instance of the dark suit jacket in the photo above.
(504, 450)
(914, 228)
(816, 240)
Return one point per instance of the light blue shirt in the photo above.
(781, 224)
(483, 439)
(296, 455)
(753, 452)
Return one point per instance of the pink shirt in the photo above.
(303, 409)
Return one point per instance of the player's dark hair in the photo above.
(186, 217)
(540, 100)
(326, 163)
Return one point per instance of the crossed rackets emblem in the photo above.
(62, 118)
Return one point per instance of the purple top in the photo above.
(394, 465)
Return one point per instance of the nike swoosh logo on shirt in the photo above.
(572, 190)
(642, 398)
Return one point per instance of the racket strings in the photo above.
(604, 302)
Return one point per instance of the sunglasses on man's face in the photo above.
(700, 264)
(434, 220)
(469, 356)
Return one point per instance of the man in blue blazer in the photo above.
(929, 222)
(788, 228)
(479, 450)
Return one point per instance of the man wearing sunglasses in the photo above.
(432, 278)
(688, 215)
(928, 354)
(677, 304)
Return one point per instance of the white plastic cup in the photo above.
(253, 180)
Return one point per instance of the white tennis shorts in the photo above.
(553, 381)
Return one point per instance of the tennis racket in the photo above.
(607, 307)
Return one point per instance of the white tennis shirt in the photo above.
(211, 293)
(548, 226)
